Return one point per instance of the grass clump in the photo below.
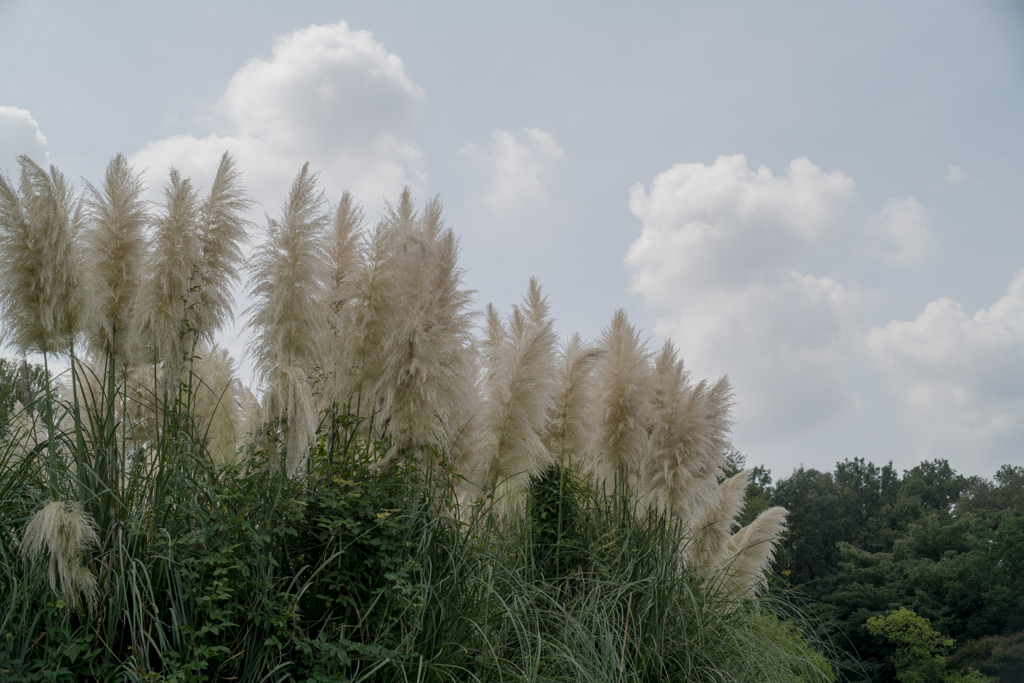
(360, 572)
(407, 502)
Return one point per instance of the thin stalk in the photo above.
(51, 447)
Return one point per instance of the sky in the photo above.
(823, 201)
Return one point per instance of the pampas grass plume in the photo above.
(714, 527)
(170, 295)
(41, 276)
(287, 321)
(689, 437)
(425, 383)
(218, 403)
(570, 420)
(223, 229)
(117, 246)
(751, 550)
(64, 531)
(622, 383)
(518, 388)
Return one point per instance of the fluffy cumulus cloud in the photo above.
(715, 256)
(328, 95)
(717, 259)
(519, 168)
(20, 134)
(960, 377)
(901, 232)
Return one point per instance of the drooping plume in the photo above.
(570, 420)
(117, 250)
(287, 321)
(42, 288)
(750, 551)
(622, 383)
(518, 390)
(713, 528)
(63, 531)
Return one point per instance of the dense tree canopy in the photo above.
(864, 541)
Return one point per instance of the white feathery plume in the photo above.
(194, 261)
(41, 275)
(287, 321)
(344, 252)
(64, 531)
(622, 385)
(518, 388)
(570, 420)
(371, 311)
(250, 414)
(689, 438)
(288, 398)
(713, 528)
(217, 394)
(425, 380)
(117, 250)
(345, 262)
(223, 229)
(380, 289)
(169, 296)
(750, 551)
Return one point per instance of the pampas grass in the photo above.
(219, 412)
(169, 296)
(287, 322)
(372, 314)
(748, 554)
(344, 263)
(425, 382)
(571, 420)
(118, 217)
(193, 262)
(223, 229)
(518, 391)
(689, 439)
(713, 527)
(622, 384)
(41, 278)
(63, 532)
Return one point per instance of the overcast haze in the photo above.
(824, 201)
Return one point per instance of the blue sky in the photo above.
(821, 200)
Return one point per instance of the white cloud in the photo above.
(20, 134)
(902, 228)
(961, 377)
(956, 175)
(328, 95)
(716, 255)
(519, 168)
(725, 223)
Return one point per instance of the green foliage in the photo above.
(355, 572)
(864, 541)
(19, 383)
(919, 649)
(917, 643)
